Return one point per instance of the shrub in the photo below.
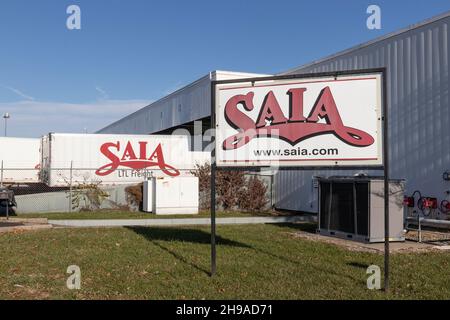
(254, 197)
(233, 190)
(229, 187)
(88, 196)
(134, 195)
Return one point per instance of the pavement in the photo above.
(178, 222)
(17, 224)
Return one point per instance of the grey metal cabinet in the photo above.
(353, 208)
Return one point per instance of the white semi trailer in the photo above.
(115, 159)
(19, 158)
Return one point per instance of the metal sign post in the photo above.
(213, 182)
(361, 91)
(1, 175)
(213, 220)
(386, 183)
(70, 186)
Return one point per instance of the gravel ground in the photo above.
(437, 237)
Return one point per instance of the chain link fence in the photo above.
(74, 189)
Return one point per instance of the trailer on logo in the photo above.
(115, 159)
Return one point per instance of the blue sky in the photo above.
(129, 53)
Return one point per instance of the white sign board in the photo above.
(322, 122)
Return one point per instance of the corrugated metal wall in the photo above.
(417, 63)
(185, 105)
(192, 102)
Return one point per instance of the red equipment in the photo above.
(427, 202)
(408, 201)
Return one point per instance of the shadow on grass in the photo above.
(358, 265)
(160, 236)
(10, 224)
(310, 227)
(183, 235)
(157, 235)
(300, 226)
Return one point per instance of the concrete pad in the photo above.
(444, 248)
(178, 222)
(25, 220)
(409, 246)
(394, 247)
(25, 228)
(17, 224)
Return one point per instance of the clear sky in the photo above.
(129, 53)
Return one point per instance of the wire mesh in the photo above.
(73, 189)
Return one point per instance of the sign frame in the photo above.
(251, 84)
(384, 150)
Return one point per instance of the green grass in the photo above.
(116, 214)
(254, 262)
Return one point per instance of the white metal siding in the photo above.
(186, 105)
(192, 102)
(417, 63)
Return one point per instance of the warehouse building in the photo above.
(177, 110)
(417, 63)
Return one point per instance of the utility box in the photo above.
(148, 195)
(353, 208)
(167, 195)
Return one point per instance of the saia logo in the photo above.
(294, 129)
(130, 160)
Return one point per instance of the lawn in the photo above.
(117, 214)
(254, 262)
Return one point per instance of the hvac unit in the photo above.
(353, 208)
(167, 195)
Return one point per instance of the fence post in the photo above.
(1, 176)
(272, 192)
(70, 187)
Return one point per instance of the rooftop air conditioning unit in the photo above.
(353, 208)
